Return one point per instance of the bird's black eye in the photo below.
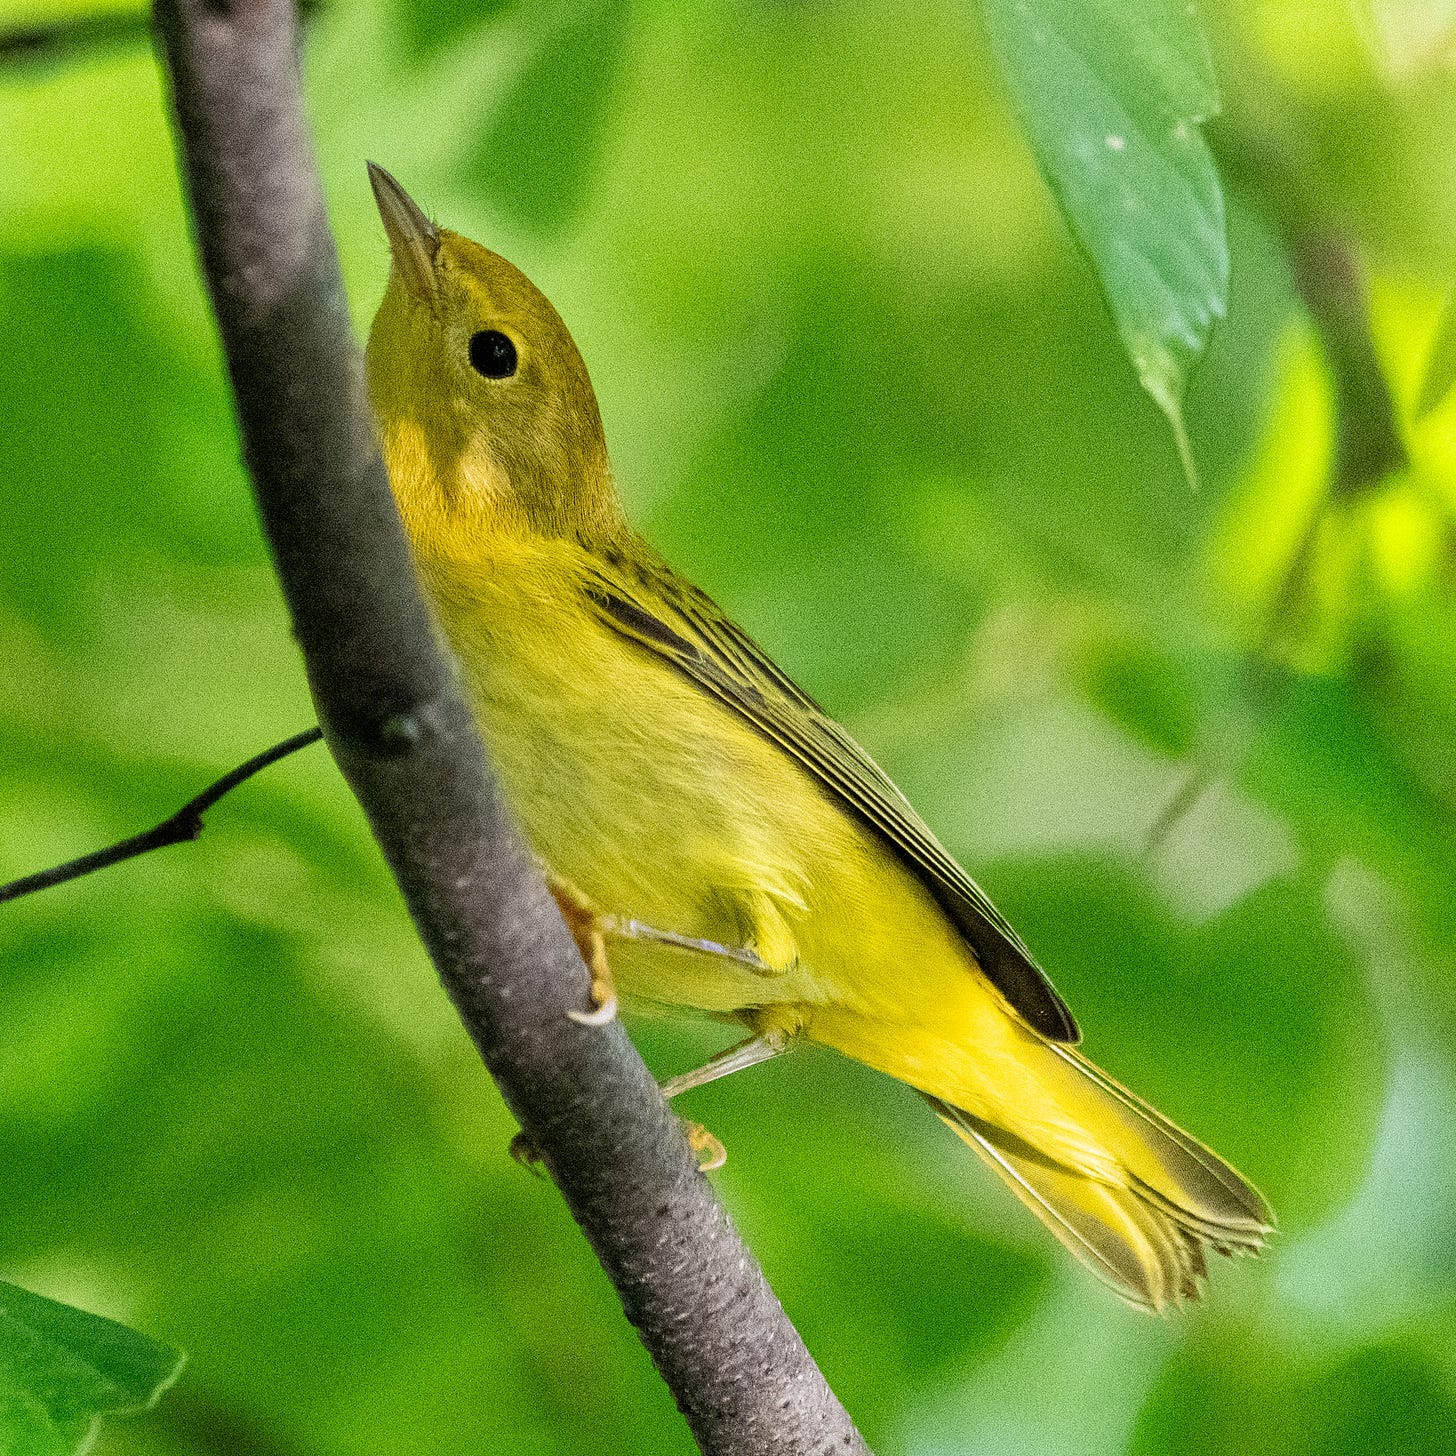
(492, 354)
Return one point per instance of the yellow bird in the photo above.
(691, 804)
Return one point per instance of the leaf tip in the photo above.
(1160, 375)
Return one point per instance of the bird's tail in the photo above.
(1143, 1213)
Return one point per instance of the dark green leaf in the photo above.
(61, 1369)
(1112, 93)
(430, 26)
(1144, 693)
(1225, 1392)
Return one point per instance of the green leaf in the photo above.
(1111, 94)
(1440, 370)
(61, 1369)
(1143, 691)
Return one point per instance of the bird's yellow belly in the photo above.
(686, 820)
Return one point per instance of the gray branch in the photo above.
(395, 721)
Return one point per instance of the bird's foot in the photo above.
(710, 1153)
(527, 1154)
(707, 1149)
(587, 929)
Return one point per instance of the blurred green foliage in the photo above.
(860, 385)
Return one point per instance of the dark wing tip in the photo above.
(1024, 984)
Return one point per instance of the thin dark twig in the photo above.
(1190, 788)
(184, 825)
(72, 36)
(390, 706)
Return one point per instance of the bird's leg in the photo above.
(621, 928)
(590, 931)
(768, 947)
(586, 928)
(736, 1058)
(710, 1152)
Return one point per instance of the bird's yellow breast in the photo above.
(660, 805)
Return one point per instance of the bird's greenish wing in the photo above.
(644, 600)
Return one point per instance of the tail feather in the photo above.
(1144, 1227)
(1132, 1196)
(1105, 1232)
(1210, 1188)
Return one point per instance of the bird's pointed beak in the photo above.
(413, 238)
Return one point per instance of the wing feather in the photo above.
(646, 601)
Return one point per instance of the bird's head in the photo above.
(486, 412)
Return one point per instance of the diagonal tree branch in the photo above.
(406, 743)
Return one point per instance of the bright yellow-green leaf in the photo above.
(1440, 372)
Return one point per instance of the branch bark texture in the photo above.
(405, 741)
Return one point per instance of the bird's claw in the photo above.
(587, 930)
(709, 1151)
(527, 1154)
(605, 1007)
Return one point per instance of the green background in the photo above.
(859, 384)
